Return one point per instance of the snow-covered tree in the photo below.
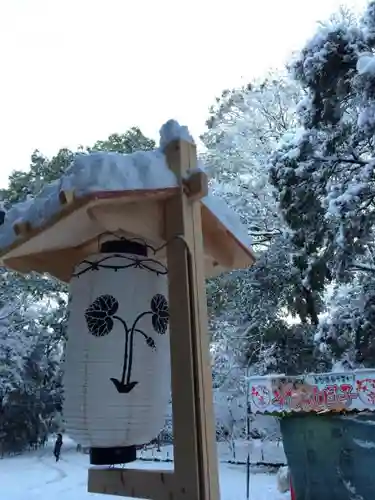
(30, 353)
(347, 327)
(244, 129)
(324, 175)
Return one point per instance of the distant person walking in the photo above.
(57, 448)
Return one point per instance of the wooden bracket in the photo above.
(138, 483)
(66, 197)
(196, 185)
(22, 228)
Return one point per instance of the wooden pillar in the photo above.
(195, 475)
(195, 454)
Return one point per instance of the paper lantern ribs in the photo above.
(54, 240)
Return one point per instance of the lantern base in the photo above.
(113, 456)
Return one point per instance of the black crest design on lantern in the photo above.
(100, 317)
(160, 313)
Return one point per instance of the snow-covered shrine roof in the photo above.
(106, 176)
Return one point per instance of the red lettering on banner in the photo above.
(331, 394)
(315, 398)
(282, 398)
(347, 394)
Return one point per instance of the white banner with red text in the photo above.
(316, 392)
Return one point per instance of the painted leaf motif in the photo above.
(98, 315)
(160, 313)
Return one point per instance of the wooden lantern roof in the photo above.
(66, 223)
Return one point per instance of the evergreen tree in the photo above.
(132, 140)
(324, 175)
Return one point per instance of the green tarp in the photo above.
(331, 457)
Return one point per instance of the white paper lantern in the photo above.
(117, 363)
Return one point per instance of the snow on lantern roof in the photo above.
(105, 176)
(314, 392)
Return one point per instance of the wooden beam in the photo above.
(144, 219)
(26, 232)
(216, 241)
(138, 483)
(58, 263)
(195, 459)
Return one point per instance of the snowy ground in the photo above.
(35, 476)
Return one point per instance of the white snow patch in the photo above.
(293, 153)
(317, 336)
(351, 489)
(172, 131)
(283, 479)
(103, 171)
(355, 418)
(339, 367)
(366, 117)
(304, 103)
(228, 217)
(364, 444)
(43, 478)
(366, 64)
(291, 138)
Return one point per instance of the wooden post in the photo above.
(195, 475)
(195, 456)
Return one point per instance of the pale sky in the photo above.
(74, 71)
